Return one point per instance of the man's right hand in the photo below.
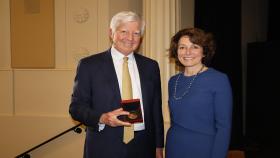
(111, 118)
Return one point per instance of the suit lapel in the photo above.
(110, 75)
(143, 79)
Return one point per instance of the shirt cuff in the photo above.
(101, 126)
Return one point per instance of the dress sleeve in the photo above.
(223, 117)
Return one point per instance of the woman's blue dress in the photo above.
(201, 120)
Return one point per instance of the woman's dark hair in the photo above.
(196, 36)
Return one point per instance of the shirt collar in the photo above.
(119, 56)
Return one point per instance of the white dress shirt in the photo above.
(135, 81)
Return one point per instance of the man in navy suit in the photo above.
(96, 96)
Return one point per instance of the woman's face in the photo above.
(189, 54)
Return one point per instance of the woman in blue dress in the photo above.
(200, 100)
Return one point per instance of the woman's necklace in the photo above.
(188, 86)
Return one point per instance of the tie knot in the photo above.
(125, 59)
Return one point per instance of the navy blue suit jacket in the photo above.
(96, 91)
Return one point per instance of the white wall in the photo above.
(34, 102)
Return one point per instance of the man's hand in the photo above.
(111, 118)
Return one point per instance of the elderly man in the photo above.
(104, 80)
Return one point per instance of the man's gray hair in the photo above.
(126, 16)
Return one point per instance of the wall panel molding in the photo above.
(32, 33)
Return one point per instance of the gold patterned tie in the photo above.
(128, 133)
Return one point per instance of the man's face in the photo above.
(127, 36)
